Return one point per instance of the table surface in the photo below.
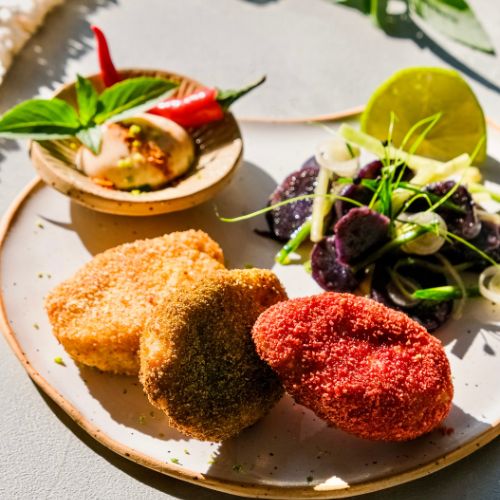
(319, 58)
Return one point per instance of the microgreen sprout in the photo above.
(262, 211)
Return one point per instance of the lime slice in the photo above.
(417, 93)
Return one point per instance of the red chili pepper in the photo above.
(109, 74)
(211, 113)
(180, 110)
(203, 106)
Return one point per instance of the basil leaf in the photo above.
(455, 19)
(87, 98)
(91, 138)
(40, 119)
(132, 95)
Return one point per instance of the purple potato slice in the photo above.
(283, 221)
(362, 194)
(488, 241)
(465, 222)
(358, 232)
(330, 274)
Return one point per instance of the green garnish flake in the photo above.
(248, 266)
(142, 419)
(40, 225)
(175, 461)
(59, 361)
(237, 468)
(134, 130)
(186, 452)
(124, 163)
(36, 326)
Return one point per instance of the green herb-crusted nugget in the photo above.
(198, 360)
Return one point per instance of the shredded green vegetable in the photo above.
(298, 237)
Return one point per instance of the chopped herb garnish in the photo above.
(59, 361)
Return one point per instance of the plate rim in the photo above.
(227, 486)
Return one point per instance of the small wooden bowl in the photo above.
(219, 151)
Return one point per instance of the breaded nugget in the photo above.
(99, 314)
(359, 365)
(198, 360)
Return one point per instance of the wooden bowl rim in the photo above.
(118, 202)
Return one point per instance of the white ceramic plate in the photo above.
(288, 454)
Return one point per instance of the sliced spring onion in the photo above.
(490, 189)
(488, 216)
(298, 237)
(334, 156)
(489, 284)
(426, 170)
(338, 156)
(429, 242)
(321, 204)
(427, 174)
(401, 288)
(448, 292)
(452, 272)
(468, 176)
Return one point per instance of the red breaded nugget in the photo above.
(357, 364)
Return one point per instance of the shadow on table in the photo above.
(42, 62)
(247, 192)
(402, 26)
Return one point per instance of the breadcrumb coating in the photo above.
(99, 313)
(198, 360)
(359, 365)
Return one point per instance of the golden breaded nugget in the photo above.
(99, 314)
(198, 360)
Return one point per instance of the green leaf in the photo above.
(455, 19)
(40, 119)
(87, 98)
(132, 96)
(227, 97)
(363, 6)
(91, 138)
(378, 12)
